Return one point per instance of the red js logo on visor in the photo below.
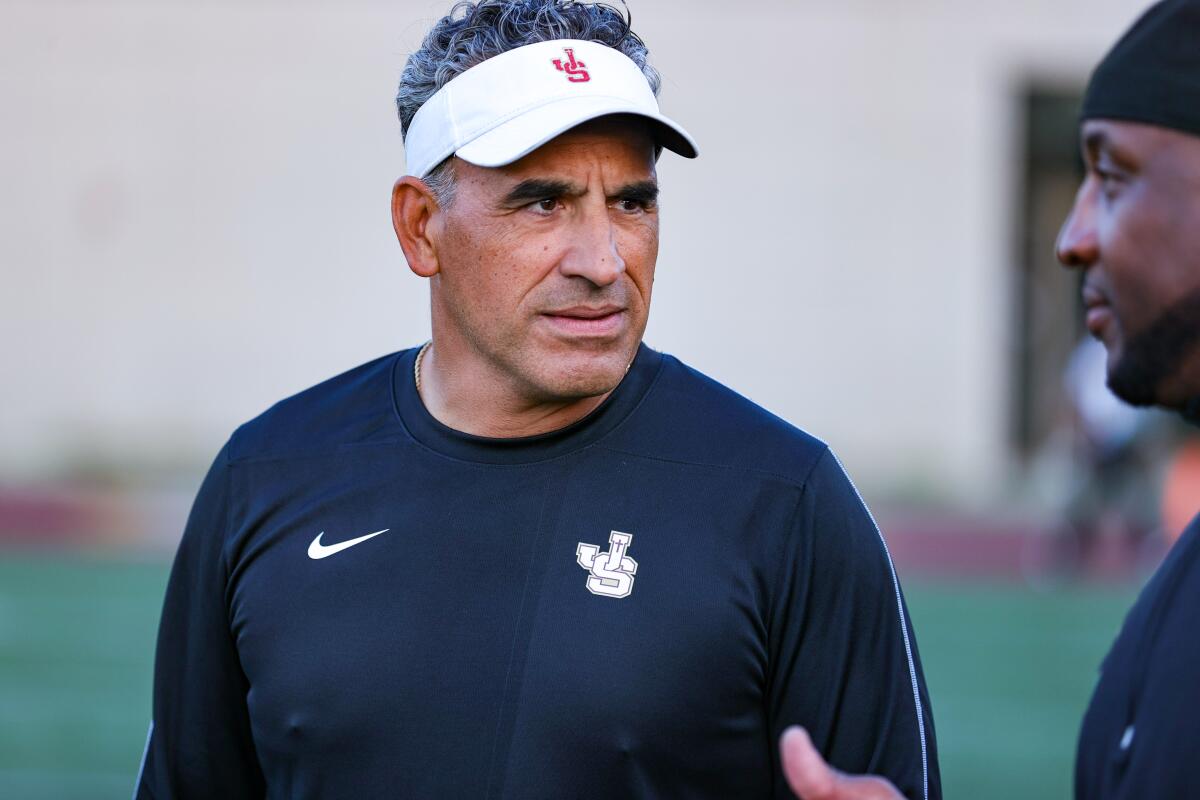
(574, 69)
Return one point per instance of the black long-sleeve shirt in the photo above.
(633, 606)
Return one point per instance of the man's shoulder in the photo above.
(692, 418)
(353, 407)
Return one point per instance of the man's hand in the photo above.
(812, 779)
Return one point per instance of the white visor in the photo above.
(511, 104)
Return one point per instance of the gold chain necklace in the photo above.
(417, 364)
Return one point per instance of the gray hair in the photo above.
(475, 31)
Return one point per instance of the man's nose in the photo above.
(593, 253)
(1077, 245)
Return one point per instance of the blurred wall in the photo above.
(195, 215)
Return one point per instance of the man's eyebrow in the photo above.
(640, 192)
(533, 189)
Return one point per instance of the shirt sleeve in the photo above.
(842, 656)
(200, 744)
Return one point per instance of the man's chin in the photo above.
(579, 375)
(1132, 376)
(1124, 379)
(1154, 357)
(1131, 388)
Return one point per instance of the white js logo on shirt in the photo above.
(612, 572)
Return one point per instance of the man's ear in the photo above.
(413, 205)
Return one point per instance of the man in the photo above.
(1134, 234)
(534, 557)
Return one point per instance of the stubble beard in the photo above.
(1157, 353)
(552, 383)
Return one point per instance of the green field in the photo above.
(1009, 672)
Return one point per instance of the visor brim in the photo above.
(516, 138)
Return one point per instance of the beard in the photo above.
(1157, 352)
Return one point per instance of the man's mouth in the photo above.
(586, 320)
(1098, 312)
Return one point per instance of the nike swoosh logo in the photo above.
(317, 550)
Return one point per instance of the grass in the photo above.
(1009, 672)
(76, 658)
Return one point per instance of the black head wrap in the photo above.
(1152, 74)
